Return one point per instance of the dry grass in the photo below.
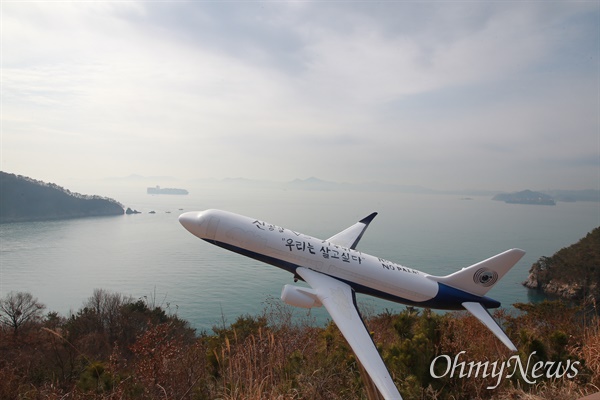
(275, 356)
(590, 350)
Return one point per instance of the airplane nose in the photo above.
(190, 221)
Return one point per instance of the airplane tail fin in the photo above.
(479, 278)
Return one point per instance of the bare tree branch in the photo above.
(18, 309)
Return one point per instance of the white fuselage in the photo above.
(289, 250)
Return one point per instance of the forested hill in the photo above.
(572, 272)
(25, 199)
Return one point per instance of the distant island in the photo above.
(26, 199)
(317, 184)
(159, 190)
(572, 272)
(526, 197)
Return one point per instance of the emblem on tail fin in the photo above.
(485, 277)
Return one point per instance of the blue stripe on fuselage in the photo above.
(449, 295)
(447, 298)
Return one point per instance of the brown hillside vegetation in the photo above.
(116, 347)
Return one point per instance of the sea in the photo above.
(150, 256)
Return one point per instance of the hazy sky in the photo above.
(486, 95)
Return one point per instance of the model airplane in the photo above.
(336, 270)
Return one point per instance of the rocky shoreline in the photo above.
(571, 291)
(572, 273)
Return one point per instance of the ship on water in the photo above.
(159, 190)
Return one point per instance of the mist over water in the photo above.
(152, 255)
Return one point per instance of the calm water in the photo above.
(61, 262)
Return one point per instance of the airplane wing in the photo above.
(350, 237)
(338, 298)
(484, 316)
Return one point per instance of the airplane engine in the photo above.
(300, 297)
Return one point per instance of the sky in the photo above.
(500, 95)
